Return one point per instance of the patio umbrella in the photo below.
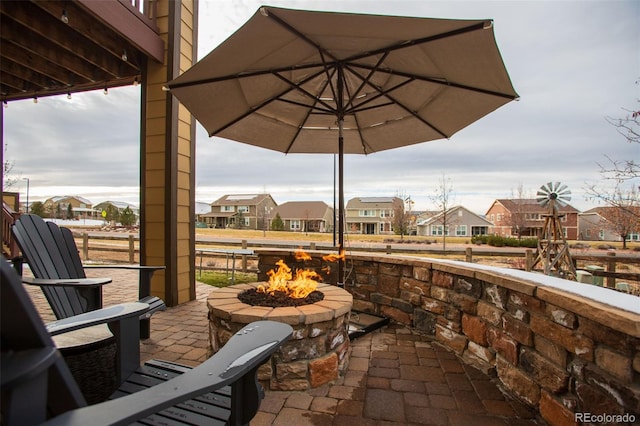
(300, 81)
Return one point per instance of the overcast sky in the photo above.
(572, 62)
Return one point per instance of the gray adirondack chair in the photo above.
(38, 388)
(51, 253)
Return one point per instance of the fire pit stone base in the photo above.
(316, 354)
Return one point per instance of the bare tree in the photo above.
(620, 186)
(401, 219)
(517, 218)
(623, 214)
(629, 127)
(442, 198)
(8, 180)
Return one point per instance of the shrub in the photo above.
(499, 241)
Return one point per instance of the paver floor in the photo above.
(395, 376)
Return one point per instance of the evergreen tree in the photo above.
(127, 217)
(277, 224)
(37, 208)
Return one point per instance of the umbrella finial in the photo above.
(264, 11)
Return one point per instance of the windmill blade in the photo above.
(564, 199)
(542, 196)
(542, 192)
(553, 192)
(544, 202)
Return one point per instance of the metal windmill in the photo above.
(553, 250)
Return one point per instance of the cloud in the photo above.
(573, 63)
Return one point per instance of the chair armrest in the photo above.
(67, 282)
(132, 267)
(18, 366)
(146, 272)
(101, 316)
(240, 356)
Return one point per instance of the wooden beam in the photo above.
(128, 23)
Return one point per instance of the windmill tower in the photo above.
(553, 250)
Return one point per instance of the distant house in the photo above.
(370, 215)
(593, 226)
(118, 205)
(201, 209)
(461, 222)
(248, 211)
(59, 206)
(305, 216)
(525, 217)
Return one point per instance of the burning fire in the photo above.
(303, 284)
(334, 257)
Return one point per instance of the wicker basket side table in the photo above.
(90, 354)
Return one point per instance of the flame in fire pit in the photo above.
(304, 283)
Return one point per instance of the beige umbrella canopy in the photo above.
(299, 81)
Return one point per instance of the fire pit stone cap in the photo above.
(226, 310)
(251, 314)
(315, 313)
(287, 314)
(339, 308)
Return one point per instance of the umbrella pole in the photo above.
(340, 202)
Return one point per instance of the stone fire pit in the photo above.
(316, 354)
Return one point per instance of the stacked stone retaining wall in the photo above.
(561, 353)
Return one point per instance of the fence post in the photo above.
(244, 257)
(611, 268)
(312, 245)
(388, 248)
(468, 255)
(132, 249)
(528, 259)
(85, 245)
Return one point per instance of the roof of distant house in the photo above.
(370, 202)
(241, 199)
(305, 210)
(527, 205)
(59, 198)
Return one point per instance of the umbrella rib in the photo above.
(298, 87)
(297, 33)
(246, 74)
(437, 81)
(362, 141)
(367, 79)
(381, 93)
(410, 43)
(311, 108)
(400, 104)
(250, 111)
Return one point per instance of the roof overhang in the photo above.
(60, 47)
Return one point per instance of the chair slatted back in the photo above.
(48, 254)
(23, 332)
(74, 261)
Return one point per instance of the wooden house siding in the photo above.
(370, 215)
(305, 216)
(252, 209)
(461, 222)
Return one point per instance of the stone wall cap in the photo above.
(605, 296)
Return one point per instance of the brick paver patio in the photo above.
(395, 376)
